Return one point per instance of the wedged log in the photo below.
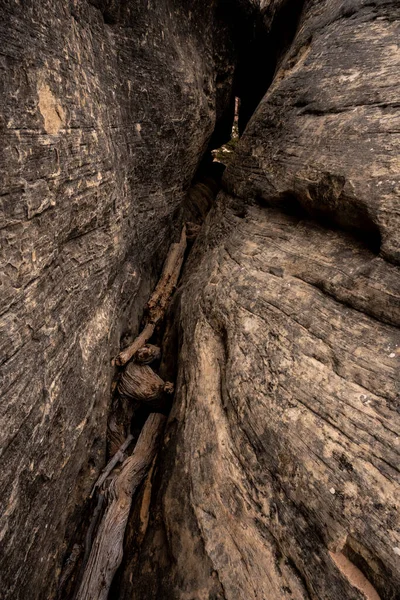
(73, 86)
(159, 300)
(107, 550)
(143, 337)
(282, 455)
(118, 457)
(140, 383)
(118, 426)
(201, 195)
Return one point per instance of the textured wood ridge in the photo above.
(107, 550)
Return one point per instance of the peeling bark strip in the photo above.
(158, 302)
(107, 550)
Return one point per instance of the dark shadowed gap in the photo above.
(262, 41)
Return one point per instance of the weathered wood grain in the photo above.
(283, 444)
(158, 302)
(107, 550)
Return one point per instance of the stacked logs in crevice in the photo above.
(139, 385)
(139, 389)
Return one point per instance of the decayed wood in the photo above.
(107, 549)
(192, 230)
(147, 354)
(116, 433)
(141, 339)
(118, 457)
(158, 302)
(293, 376)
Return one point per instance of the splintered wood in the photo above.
(118, 457)
(107, 550)
(158, 303)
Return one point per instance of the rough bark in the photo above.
(119, 456)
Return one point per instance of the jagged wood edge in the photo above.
(118, 456)
(107, 549)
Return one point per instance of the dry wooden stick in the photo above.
(118, 457)
(107, 550)
(92, 528)
(140, 341)
(159, 299)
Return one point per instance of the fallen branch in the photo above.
(140, 341)
(159, 299)
(157, 305)
(92, 527)
(116, 433)
(118, 457)
(107, 550)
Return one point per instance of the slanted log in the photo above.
(158, 302)
(140, 383)
(107, 550)
(157, 305)
(117, 457)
